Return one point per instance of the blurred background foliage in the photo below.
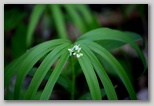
(26, 25)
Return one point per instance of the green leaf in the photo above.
(43, 69)
(90, 76)
(110, 34)
(34, 55)
(115, 64)
(63, 80)
(12, 18)
(34, 18)
(58, 20)
(88, 17)
(37, 95)
(87, 95)
(18, 44)
(75, 17)
(54, 76)
(84, 10)
(12, 68)
(112, 44)
(108, 86)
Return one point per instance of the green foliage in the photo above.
(56, 51)
(35, 16)
(18, 44)
(59, 19)
(12, 18)
(13, 23)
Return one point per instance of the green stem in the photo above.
(73, 78)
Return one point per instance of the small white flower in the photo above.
(79, 50)
(77, 55)
(81, 54)
(74, 53)
(75, 50)
(76, 47)
(70, 50)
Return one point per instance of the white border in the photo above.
(89, 103)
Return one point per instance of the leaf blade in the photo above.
(110, 34)
(75, 17)
(34, 18)
(88, 17)
(54, 76)
(43, 69)
(108, 86)
(35, 54)
(90, 77)
(115, 64)
(59, 20)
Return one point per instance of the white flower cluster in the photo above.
(75, 50)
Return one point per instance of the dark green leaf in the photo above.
(75, 17)
(18, 44)
(12, 18)
(58, 20)
(88, 17)
(34, 18)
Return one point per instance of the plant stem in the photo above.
(73, 78)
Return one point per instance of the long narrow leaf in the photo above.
(90, 76)
(109, 89)
(63, 80)
(75, 17)
(11, 69)
(89, 18)
(58, 20)
(54, 76)
(34, 18)
(87, 95)
(110, 34)
(43, 69)
(112, 44)
(115, 64)
(31, 59)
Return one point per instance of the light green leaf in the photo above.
(34, 55)
(87, 95)
(115, 64)
(54, 76)
(34, 18)
(43, 69)
(90, 76)
(112, 44)
(110, 34)
(108, 86)
(63, 80)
